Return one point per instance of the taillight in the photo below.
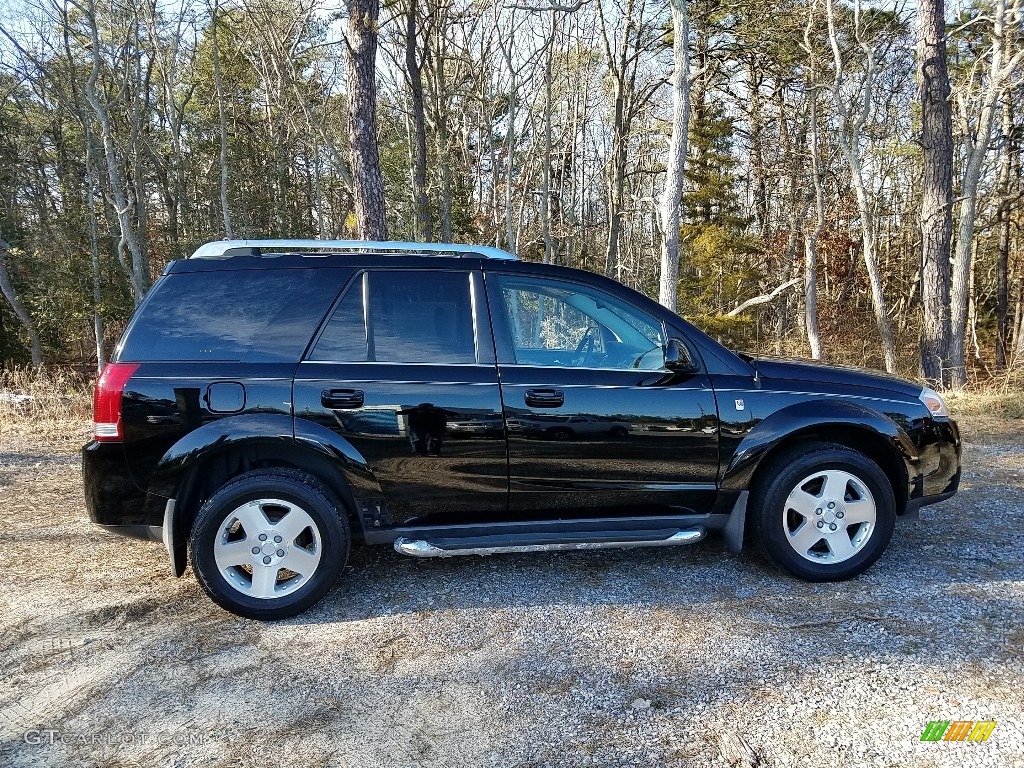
(106, 401)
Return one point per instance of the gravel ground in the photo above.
(647, 658)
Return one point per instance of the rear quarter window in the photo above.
(233, 315)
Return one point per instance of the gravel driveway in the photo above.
(648, 658)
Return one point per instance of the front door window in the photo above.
(558, 324)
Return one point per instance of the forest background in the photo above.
(817, 178)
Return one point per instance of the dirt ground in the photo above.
(648, 658)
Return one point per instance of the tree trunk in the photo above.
(668, 290)
(94, 250)
(616, 182)
(871, 262)
(1002, 267)
(361, 42)
(936, 191)
(811, 239)
(19, 309)
(225, 208)
(545, 200)
(420, 201)
(757, 149)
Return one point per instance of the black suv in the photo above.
(272, 401)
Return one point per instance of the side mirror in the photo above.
(677, 357)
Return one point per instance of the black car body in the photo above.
(431, 398)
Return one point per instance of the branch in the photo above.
(549, 7)
(764, 299)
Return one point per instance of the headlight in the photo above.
(933, 402)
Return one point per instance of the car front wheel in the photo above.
(269, 544)
(824, 512)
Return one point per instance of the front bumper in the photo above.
(939, 463)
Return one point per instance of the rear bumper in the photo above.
(112, 498)
(144, 532)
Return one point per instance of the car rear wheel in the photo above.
(269, 544)
(823, 512)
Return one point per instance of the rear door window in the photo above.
(403, 316)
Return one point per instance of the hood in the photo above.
(845, 375)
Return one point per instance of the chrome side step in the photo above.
(453, 548)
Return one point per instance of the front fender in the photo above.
(815, 417)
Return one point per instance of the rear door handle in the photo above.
(545, 398)
(341, 398)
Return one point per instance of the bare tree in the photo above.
(138, 268)
(624, 46)
(19, 309)
(676, 172)
(853, 117)
(361, 42)
(811, 238)
(977, 135)
(1010, 150)
(936, 188)
(225, 207)
(414, 66)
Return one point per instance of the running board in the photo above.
(496, 545)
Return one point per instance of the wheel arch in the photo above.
(192, 470)
(844, 423)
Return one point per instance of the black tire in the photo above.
(561, 434)
(330, 541)
(774, 519)
(619, 432)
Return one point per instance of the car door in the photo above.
(404, 371)
(597, 425)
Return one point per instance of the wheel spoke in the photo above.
(232, 553)
(803, 502)
(302, 561)
(860, 511)
(839, 545)
(293, 523)
(252, 518)
(835, 484)
(264, 578)
(805, 537)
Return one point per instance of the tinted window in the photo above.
(415, 317)
(554, 323)
(344, 338)
(251, 316)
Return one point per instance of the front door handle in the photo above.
(545, 398)
(337, 399)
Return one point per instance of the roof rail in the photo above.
(225, 249)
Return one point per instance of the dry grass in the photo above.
(54, 404)
(51, 393)
(1000, 405)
